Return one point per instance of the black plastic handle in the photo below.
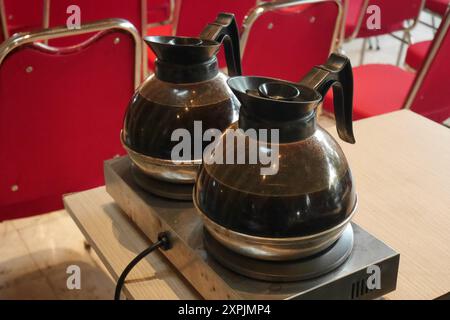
(225, 30)
(337, 72)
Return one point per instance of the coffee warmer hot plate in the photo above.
(313, 277)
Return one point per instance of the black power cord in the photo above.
(163, 242)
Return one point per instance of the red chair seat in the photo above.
(378, 89)
(416, 54)
(437, 6)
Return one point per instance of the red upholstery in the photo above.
(378, 89)
(298, 39)
(433, 97)
(59, 122)
(158, 10)
(92, 11)
(437, 6)
(24, 15)
(416, 54)
(393, 14)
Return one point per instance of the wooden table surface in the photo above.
(401, 167)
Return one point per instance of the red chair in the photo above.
(286, 39)
(417, 52)
(385, 88)
(430, 96)
(22, 15)
(191, 16)
(61, 111)
(395, 16)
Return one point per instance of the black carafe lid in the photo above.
(182, 50)
(273, 103)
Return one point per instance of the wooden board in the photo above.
(117, 241)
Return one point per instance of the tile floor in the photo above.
(35, 252)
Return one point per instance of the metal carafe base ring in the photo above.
(283, 271)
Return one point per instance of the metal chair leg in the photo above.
(363, 51)
(406, 39)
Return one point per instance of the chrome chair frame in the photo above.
(144, 27)
(37, 37)
(406, 39)
(260, 9)
(3, 21)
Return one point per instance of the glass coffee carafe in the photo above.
(186, 88)
(299, 203)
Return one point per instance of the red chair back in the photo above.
(24, 15)
(430, 94)
(60, 117)
(393, 14)
(193, 15)
(130, 10)
(286, 41)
